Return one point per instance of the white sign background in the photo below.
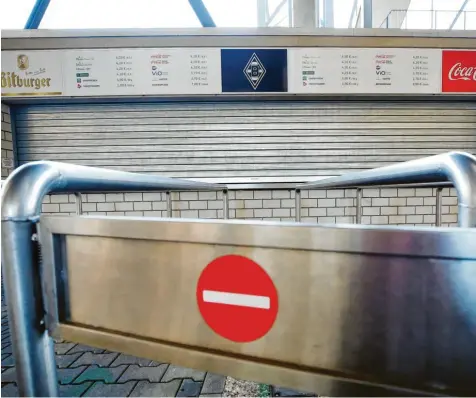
(189, 71)
(400, 71)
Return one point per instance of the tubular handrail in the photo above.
(34, 180)
(457, 167)
(22, 196)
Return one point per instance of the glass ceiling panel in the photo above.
(98, 14)
(15, 13)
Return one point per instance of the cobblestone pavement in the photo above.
(91, 372)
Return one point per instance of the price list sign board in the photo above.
(212, 71)
(142, 72)
(364, 71)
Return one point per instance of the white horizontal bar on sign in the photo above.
(238, 299)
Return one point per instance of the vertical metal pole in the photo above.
(226, 211)
(438, 207)
(358, 206)
(79, 203)
(168, 198)
(32, 347)
(297, 199)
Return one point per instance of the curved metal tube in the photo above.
(22, 196)
(457, 167)
(25, 188)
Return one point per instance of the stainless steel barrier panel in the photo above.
(358, 310)
(456, 167)
(22, 197)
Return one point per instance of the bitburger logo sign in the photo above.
(27, 78)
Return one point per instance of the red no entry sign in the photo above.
(237, 298)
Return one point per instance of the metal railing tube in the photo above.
(438, 207)
(457, 167)
(22, 196)
(168, 201)
(79, 203)
(297, 199)
(358, 206)
(226, 210)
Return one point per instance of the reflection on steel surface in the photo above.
(383, 306)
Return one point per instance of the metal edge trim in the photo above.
(222, 31)
(457, 243)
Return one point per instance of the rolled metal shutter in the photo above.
(246, 141)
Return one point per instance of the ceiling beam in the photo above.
(36, 14)
(202, 13)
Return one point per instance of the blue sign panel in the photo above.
(254, 70)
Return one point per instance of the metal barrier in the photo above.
(342, 310)
(23, 193)
(457, 167)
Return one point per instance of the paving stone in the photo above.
(88, 358)
(146, 389)
(63, 348)
(213, 384)
(177, 372)
(66, 376)
(63, 361)
(210, 395)
(189, 388)
(74, 390)
(124, 359)
(100, 389)
(85, 348)
(136, 372)
(9, 375)
(8, 360)
(9, 390)
(285, 392)
(96, 373)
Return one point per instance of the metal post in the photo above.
(168, 199)
(32, 348)
(438, 207)
(297, 199)
(79, 203)
(22, 196)
(226, 211)
(358, 206)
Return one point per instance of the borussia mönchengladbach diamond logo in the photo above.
(254, 71)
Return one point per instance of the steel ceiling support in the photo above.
(202, 13)
(36, 14)
(458, 14)
(263, 13)
(276, 11)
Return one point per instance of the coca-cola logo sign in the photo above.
(459, 71)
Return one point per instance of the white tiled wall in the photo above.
(410, 206)
(7, 142)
